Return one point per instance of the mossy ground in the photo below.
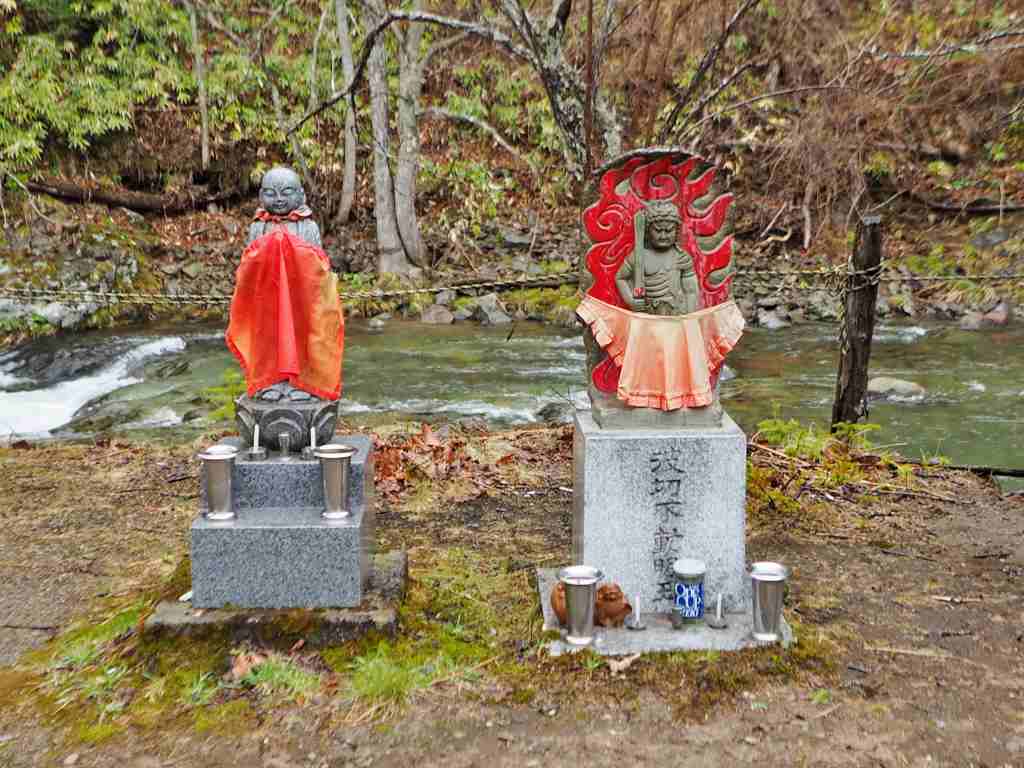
(471, 632)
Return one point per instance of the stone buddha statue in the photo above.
(658, 277)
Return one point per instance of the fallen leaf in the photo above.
(618, 666)
(243, 664)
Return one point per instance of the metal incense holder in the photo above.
(335, 463)
(580, 598)
(218, 473)
(769, 587)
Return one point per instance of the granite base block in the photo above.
(659, 635)
(281, 558)
(276, 628)
(644, 498)
(296, 482)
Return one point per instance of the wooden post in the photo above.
(858, 323)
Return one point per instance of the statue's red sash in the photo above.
(286, 319)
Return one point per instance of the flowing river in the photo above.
(155, 379)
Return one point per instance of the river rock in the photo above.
(63, 315)
(193, 269)
(986, 241)
(999, 315)
(489, 311)
(437, 315)
(104, 416)
(444, 298)
(513, 238)
(945, 310)
(971, 321)
(557, 413)
(769, 319)
(464, 313)
(996, 318)
(884, 387)
(822, 305)
(726, 374)
(520, 263)
(377, 323)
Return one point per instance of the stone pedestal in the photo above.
(643, 498)
(286, 417)
(658, 635)
(278, 552)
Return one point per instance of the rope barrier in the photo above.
(837, 281)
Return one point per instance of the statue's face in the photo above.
(281, 191)
(662, 234)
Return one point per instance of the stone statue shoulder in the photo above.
(255, 232)
(308, 231)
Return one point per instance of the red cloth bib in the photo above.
(286, 320)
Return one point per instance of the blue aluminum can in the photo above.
(689, 590)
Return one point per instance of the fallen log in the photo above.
(142, 202)
(972, 468)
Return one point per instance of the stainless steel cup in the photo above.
(335, 463)
(218, 471)
(769, 586)
(580, 597)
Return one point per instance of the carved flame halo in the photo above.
(624, 190)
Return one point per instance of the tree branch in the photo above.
(483, 125)
(764, 96)
(706, 63)
(496, 36)
(257, 59)
(703, 103)
(559, 17)
(973, 46)
(439, 46)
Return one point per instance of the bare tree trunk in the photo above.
(410, 85)
(392, 257)
(348, 180)
(314, 97)
(197, 65)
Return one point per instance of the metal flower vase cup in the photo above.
(580, 595)
(768, 581)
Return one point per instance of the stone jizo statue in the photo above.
(286, 327)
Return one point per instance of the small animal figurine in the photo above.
(612, 607)
(558, 602)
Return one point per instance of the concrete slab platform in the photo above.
(659, 636)
(282, 628)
